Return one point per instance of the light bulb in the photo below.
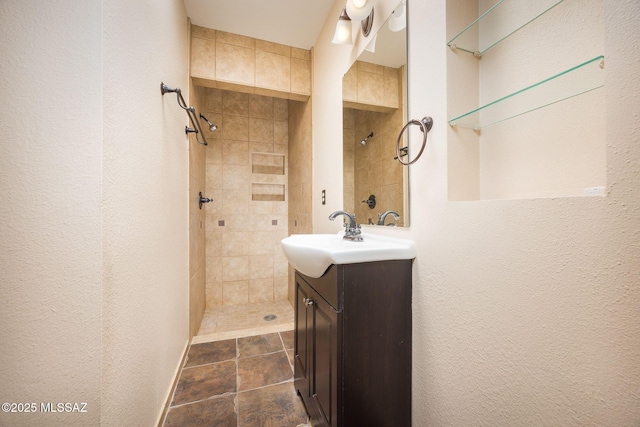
(358, 10)
(343, 30)
(398, 19)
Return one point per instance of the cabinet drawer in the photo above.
(327, 286)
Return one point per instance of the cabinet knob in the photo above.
(308, 301)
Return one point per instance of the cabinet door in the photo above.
(303, 342)
(324, 386)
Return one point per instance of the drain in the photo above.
(270, 317)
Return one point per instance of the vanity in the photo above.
(352, 360)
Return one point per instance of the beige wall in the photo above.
(246, 175)
(50, 225)
(525, 312)
(145, 211)
(95, 256)
(95, 220)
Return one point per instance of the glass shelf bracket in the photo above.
(497, 23)
(575, 81)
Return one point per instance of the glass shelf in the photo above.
(498, 23)
(567, 84)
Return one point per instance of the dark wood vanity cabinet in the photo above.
(353, 345)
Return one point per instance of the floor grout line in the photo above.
(217, 396)
(207, 364)
(265, 386)
(262, 354)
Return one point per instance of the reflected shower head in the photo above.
(364, 141)
(212, 127)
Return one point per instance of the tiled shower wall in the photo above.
(197, 264)
(300, 150)
(246, 176)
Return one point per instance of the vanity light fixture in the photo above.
(358, 10)
(343, 29)
(398, 19)
(367, 24)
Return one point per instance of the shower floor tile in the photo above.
(225, 322)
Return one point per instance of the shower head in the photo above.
(212, 127)
(364, 141)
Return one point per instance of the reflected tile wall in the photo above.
(371, 168)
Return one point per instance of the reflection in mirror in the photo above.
(374, 100)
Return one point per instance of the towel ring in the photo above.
(425, 126)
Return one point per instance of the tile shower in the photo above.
(245, 173)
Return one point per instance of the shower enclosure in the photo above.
(239, 275)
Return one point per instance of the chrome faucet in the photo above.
(352, 230)
(383, 216)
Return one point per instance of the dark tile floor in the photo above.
(243, 382)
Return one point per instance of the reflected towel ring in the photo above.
(425, 126)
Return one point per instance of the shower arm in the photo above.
(191, 112)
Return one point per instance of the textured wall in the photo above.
(50, 250)
(145, 224)
(95, 221)
(526, 311)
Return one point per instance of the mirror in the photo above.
(374, 94)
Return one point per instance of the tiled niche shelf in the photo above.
(267, 163)
(267, 192)
(495, 28)
(575, 81)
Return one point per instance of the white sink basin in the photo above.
(312, 254)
